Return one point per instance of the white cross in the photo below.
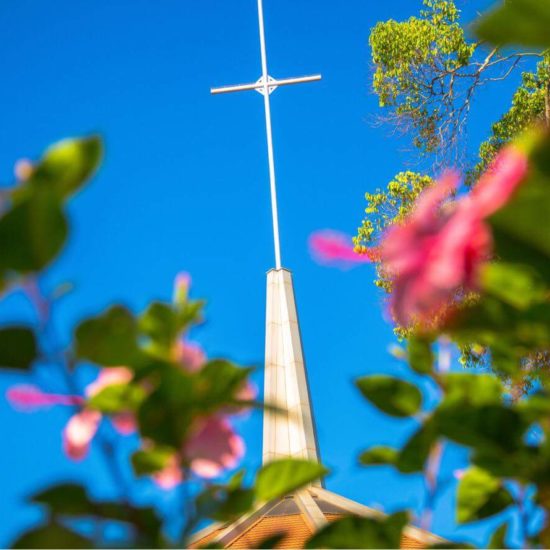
(266, 85)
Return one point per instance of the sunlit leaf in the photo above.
(66, 165)
(421, 358)
(281, 477)
(379, 456)
(480, 495)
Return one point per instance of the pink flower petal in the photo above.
(28, 398)
(331, 247)
(125, 423)
(213, 447)
(109, 376)
(495, 188)
(190, 355)
(170, 476)
(79, 432)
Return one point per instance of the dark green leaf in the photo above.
(222, 504)
(391, 395)
(360, 532)
(68, 164)
(281, 477)
(52, 535)
(519, 22)
(480, 495)
(498, 538)
(421, 358)
(32, 233)
(414, 454)
(271, 542)
(379, 456)
(66, 499)
(110, 339)
(148, 461)
(17, 347)
(160, 323)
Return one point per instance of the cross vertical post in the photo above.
(265, 86)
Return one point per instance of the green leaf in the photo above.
(110, 339)
(421, 358)
(480, 495)
(516, 284)
(473, 389)
(67, 164)
(414, 454)
(223, 504)
(160, 323)
(519, 22)
(117, 398)
(377, 456)
(272, 541)
(32, 233)
(148, 461)
(281, 477)
(391, 395)
(66, 499)
(498, 538)
(526, 218)
(18, 348)
(360, 532)
(52, 535)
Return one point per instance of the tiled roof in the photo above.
(295, 527)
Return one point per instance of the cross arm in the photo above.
(261, 85)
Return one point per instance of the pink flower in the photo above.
(497, 185)
(170, 476)
(190, 355)
(23, 169)
(79, 432)
(331, 247)
(212, 447)
(433, 254)
(28, 398)
(437, 252)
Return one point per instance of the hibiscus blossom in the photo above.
(335, 248)
(437, 252)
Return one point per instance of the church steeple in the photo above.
(290, 433)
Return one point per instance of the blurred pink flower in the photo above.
(26, 397)
(334, 248)
(170, 476)
(82, 426)
(437, 252)
(212, 447)
(79, 432)
(433, 254)
(23, 169)
(190, 355)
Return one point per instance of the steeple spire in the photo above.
(291, 433)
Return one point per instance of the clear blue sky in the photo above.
(184, 187)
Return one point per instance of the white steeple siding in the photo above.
(289, 432)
